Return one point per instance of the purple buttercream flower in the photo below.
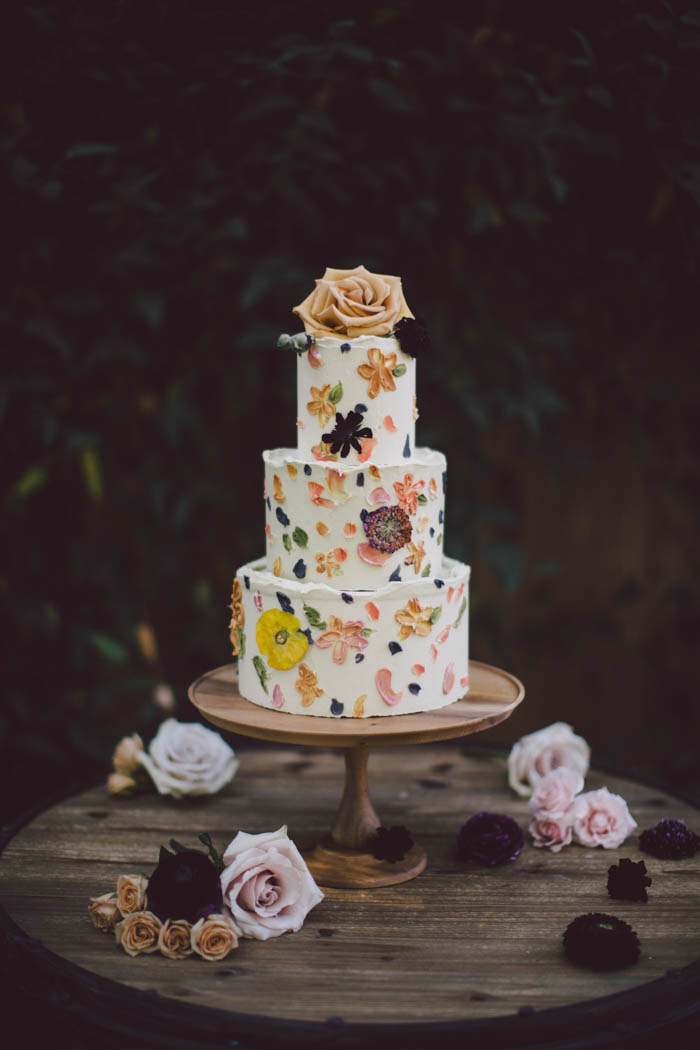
(490, 839)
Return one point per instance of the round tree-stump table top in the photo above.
(459, 954)
(493, 696)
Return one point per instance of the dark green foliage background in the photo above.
(176, 175)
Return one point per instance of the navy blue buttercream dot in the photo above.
(444, 481)
(347, 597)
(307, 632)
(246, 580)
(269, 505)
(363, 514)
(285, 603)
(299, 569)
(395, 576)
(359, 657)
(344, 347)
(360, 479)
(432, 531)
(359, 407)
(395, 648)
(407, 449)
(307, 468)
(336, 707)
(441, 517)
(439, 583)
(414, 688)
(282, 517)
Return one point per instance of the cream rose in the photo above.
(551, 831)
(104, 911)
(267, 885)
(126, 754)
(131, 893)
(138, 933)
(537, 754)
(601, 819)
(186, 758)
(175, 939)
(214, 937)
(555, 792)
(353, 302)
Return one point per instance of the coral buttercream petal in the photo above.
(277, 697)
(378, 495)
(350, 529)
(442, 637)
(448, 679)
(418, 670)
(315, 359)
(340, 554)
(368, 446)
(371, 555)
(464, 681)
(372, 611)
(389, 424)
(383, 683)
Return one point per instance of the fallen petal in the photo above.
(383, 682)
(371, 555)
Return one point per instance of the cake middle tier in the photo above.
(354, 526)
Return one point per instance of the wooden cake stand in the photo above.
(341, 859)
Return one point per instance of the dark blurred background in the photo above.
(176, 176)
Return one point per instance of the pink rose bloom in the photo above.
(267, 885)
(555, 792)
(601, 819)
(551, 831)
(537, 754)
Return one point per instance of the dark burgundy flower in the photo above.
(628, 881)
(490, 838)
(185, 885)
(390, 844)
(347, 433)
(387, 528)
(600, 942)
(413, 336)
(669, 839)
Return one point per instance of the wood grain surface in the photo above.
(456, 943)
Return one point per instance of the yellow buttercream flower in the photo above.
(280, 640)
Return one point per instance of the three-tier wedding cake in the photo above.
(354, 612)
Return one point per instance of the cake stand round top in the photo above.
(492, 697)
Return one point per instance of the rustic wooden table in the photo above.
(457, 953)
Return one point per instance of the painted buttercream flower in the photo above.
(280, 639)
(320, 405)
(347, 433)
(307, 685)
(237, 618)
(353, 302)
(330, 562)
(378, 371)
(387, 528)
(341, 636)
(416, 555)
(408, 492)
(414, 619)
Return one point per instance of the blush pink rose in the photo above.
(551, 831)
(555, 792)
(601, 819)
(537, 754)
(267, 885)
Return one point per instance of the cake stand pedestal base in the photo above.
(342, 859)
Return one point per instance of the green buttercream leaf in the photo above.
(241, 643)
(314, 618)
(460, 614)
(367, 631)
(261, 671)
(435, 614)
(422, 498)
(426, 570)
(399, 371)
(300, 537)
(336, 393)
(286, 541)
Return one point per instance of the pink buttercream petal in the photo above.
(371, 555)
(378, 495)
(383, 682)
(277, 697)
(448, 679)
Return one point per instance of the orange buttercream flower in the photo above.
(320, 404)
(416, 555)
(378, 371)
(414, 619)
(340, 636)
(307, 685)
(408, 492)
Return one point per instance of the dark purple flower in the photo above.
(387, 528)
(185, 885)
(600, 942)
(390, 844)
(490, 838)
(628, 881)
(669, 839)
(413, 336)
(347, 433)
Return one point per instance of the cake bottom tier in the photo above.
(306, 648)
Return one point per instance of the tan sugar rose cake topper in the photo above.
(353, 303)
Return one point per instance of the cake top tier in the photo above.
(356, 371)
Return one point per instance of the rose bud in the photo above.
(214, 937)
(125, 758)
(119, 784)
(175, 939)
(131, 893)
(138, 933)
(104, 911)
